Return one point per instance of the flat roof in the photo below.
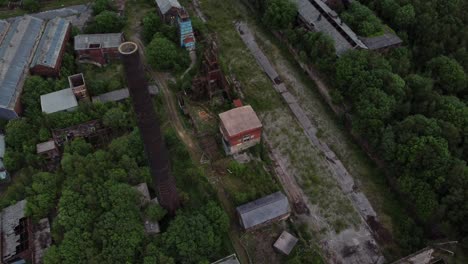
(58, 101)
(51, 43)
(317, 14)
(108, 40)
(16, 52)
(383, 41)
(45, 146)
(166, 5)
(10, 217)
(263, 209)
(285, 242)
(240, 119)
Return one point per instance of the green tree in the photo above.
(162, 54)
(362, 20)
(405, 16)
(42, 194)
(106, 22)
(31, 5)
(79, 146)
(115, 118)
(447, 74)
(279, 14)
(155, 212)
(151, 24)
(102, 5)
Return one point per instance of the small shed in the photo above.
(231, 259)
(63, 100)
(168, 9)
(241, 129)
(273, 207)
(285, 243)
(78, 85)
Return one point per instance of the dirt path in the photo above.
(357, 251)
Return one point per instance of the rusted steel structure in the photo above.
(93, 131)
(148, 124)
(211, 80)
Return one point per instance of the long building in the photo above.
(16, 52)
(49, 53)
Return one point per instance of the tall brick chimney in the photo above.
(150, 130)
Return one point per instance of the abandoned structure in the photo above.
(151, 227)
(63, 100)
(16, 52)
(382, 43)
(210, 81)
(240, 129)
(316, 15)
(187, 37)
(120, 95)
(78, 86)
(3, 171)
(150, 131)
(21, 241)
(231, 259)
(50, 152)
(285, 243)
(98, 48)
(49, 52)
(168, 10)
(92, 131)
(273, 207)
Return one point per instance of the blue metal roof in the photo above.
(16, 51)
(186, 31)
(48, 51)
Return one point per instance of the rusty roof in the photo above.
(239, 120)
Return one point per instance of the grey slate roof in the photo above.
(58, 101)
(9, 220)
(166, 5)
(317, 14)
(263, 209)
(231, 259)
(285, 243)
(16, 52)
(45, 146)
(121, 94)
(108, 40)
(52, 40)
(380, 42)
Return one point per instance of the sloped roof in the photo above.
(58, 101)
(231, 259)
(383, 41)
(240, 119)
(108, 40)
(263, 209)
(324, 19)
(16, 52)
(45, 146)
(52, 40)
(4, 25)
(10, 217)
(166, 5)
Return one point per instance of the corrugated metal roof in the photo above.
(380, 42)
(10, 217)
(231, 259)
(16, 52)
(58, 101)
(166, 5)
(240, 119)
(52, 40)
(187, 38)
(263, 209)
(323, 19)
(121, 94)
(109, 40)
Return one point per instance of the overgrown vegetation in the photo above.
(362, 20)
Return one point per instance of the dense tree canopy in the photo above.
(279, 14)
(163, 54)
(362, 20)
(106, 22)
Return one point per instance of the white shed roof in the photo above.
(285, 243)
(58, 101)
(166, 5)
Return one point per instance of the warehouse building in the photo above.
(168, 10)
(22, 241)
(59, 101)
(240, 128)
(273, 207)
(98, 48)
(49, 53)
(16, 52)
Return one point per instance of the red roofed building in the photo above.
(241, 129)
